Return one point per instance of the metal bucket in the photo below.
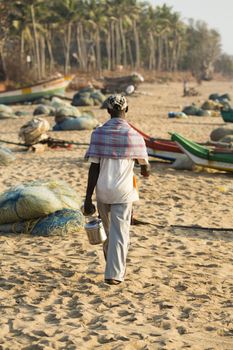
(95, 231)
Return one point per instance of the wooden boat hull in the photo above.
(52, 87)
(161, 149)
(219, 159)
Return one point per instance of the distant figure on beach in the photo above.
(189, 91)
(113, 149)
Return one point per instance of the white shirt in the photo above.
(116, 180)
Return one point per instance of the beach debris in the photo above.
(34, 131)
(37, 199)
(6, 112)
(130, 90)
(6, 156)
(179, 115)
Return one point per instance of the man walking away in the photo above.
(113, 149)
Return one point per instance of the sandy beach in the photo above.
(178, 291)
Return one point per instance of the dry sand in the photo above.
(178, 289)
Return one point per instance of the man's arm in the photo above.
(145, 170)
(145, 167)
(93, 175)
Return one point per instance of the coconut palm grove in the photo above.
(38, 38)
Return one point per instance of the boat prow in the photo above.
(55, 86)
(220, 159)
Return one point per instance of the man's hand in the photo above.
(145, 170)
(89, 207)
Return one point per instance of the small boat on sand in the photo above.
(55, 86)
(161, 149)
(215, 158)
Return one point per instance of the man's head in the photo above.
(117, 106)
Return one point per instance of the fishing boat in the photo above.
(161, 149)
(215, 158)
(227, 115)
(55, 86)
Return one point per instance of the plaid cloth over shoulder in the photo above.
(117, 139)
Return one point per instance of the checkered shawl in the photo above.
(117, 139)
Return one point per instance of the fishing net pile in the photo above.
(224, 134)
(34, 131)
(54, 107)
(210, 107)
(67, 117)
(88, 96)
(194, 110)
(6, 156)
(41, 208)
(6, 112)
(220, 98)
(85, 122)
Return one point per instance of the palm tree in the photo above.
(64, 15)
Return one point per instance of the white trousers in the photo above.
(116, 221)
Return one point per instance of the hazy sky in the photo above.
(218, 14)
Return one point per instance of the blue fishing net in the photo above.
(60, 223)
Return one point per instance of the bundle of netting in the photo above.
(34, 131)
(84, 122)
(6, 112)
(62, 222)
(36, 199)
(6, 156)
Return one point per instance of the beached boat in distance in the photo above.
(217, 158)
(55, 86)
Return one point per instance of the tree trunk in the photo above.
(152, 51)
(42, 57)
(160, 51)
(37, 52)
(67, 47)
(98, 51)
(137, 45)
(50, 51)
(113, 58)
(82, 52)
(166, 53)
(123, 40)
(130, 54)
(3, 73)
(118, 44)
(108, 49)
(22, 53)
